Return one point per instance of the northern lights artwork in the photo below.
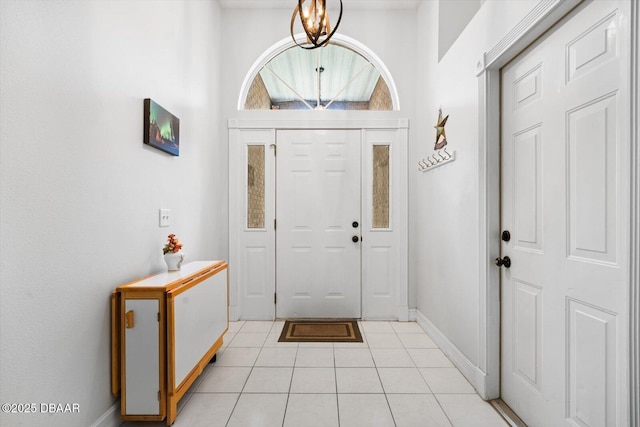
(161, 128)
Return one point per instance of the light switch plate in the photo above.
(165, 217)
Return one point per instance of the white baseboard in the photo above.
(471, 372)
(412, 315)
(233, 313)
(111, 418)
(256, 318)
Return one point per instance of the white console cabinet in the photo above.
(166, 328)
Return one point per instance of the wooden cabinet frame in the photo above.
(166, 288)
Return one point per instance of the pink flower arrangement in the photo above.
(173, 245)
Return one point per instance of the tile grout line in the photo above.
(293, 371)
(245, 381)
(377, 368)
(428, 386)
(386, 398)
(335, 377)
(442, 409)
(242, 389)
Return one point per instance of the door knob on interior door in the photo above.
(506, 261)
(355, 239)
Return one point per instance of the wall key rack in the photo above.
(440, 158)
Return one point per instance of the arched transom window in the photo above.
(340, 76)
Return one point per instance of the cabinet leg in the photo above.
(172, 410)
(214, 358)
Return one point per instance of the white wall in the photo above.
(447, 231)
(454, 15)
(80, 192)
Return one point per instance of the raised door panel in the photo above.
(255, 277)
(527, 189)
(528, 87)
(380, 272)
(592, 365)
(592, 48)
(592, 173)
(527, 331)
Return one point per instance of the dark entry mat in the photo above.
(320, 331)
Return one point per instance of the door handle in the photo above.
(506, 261)
(355, 239)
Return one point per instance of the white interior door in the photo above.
(565, 201)
(318, 202)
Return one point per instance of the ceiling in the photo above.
(347, 76)
(291, 4)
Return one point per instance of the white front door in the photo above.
(565, 202)
(318, 263)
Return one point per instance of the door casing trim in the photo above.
(634, 285)
(540, 19)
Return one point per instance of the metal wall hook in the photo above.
(431, 161)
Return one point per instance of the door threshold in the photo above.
(507, 413)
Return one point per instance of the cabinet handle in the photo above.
(128, 319)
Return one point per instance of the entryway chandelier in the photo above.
(315, 21)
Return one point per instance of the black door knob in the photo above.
(355, 224)
(506, 261)
(355, 239)
(506, 236)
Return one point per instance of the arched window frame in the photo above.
(337, 39)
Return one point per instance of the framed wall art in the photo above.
(161, 128)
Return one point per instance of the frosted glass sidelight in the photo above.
(255, 186)
(380, 186)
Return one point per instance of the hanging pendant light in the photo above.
(315, 21)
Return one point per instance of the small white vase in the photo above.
(174, 260)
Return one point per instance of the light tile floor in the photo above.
(397, 377)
